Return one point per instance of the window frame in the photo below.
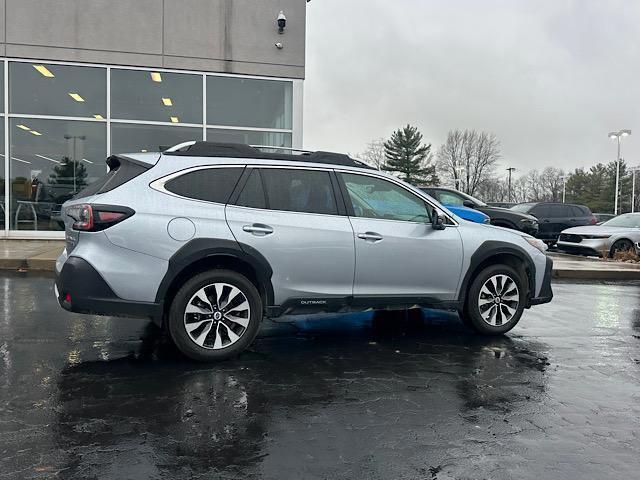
(449, 220)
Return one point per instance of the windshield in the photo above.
(522, 207)
(629, 220)
(473, 199)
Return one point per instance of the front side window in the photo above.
(210, 184)
(376, 198)
(559, 211)
(298, 190)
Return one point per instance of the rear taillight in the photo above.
(593, 220)
(93, 218)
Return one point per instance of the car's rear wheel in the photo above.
(215, 315)
(621, 246)
(495, 300)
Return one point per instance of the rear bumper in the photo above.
(81, 289)
(546, 293)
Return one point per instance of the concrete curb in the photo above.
(590, 274)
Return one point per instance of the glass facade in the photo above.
(62, 120)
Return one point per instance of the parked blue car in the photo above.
(469, 214)
(465, 213)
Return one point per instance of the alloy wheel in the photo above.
(498, 300)
(217, 316)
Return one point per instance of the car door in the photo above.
(398, 253)
(561, 218)
(292, 217)
(542, 212)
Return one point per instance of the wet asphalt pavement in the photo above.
(360, 397)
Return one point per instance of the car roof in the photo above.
(244, 151)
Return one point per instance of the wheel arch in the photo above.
(618, 240)
(200, 255)
(493, 252)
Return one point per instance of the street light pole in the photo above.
(618, 135)
(459, 170)
(510, 169)
(633, 189)
(564, 187)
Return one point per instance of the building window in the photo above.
(3, 213)
(50, 161)
(245, 102)
(156, 96)
(62, 90)
(63, 120)
(129, 138)
(251, 137)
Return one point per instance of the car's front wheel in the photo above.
(495, 300)
(621, 246)
(215, 315)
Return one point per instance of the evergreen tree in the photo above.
(63, 175)
(406, 155)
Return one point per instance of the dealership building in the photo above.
(84, 79)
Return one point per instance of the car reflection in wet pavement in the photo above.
(359, 396)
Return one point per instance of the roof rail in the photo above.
(242, 150)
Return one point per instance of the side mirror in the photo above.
(469, 204)
(436, 221)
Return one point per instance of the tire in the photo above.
(477, 307)
(622, 245)
(206, 332)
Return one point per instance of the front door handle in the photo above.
(258, 229)
(370, 236)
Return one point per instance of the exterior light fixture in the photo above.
(167, 102)
(174, 120)
(281, 21)
(156, 77)
(76, 97)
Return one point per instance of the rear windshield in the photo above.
(121, 174)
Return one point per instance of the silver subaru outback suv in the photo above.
(207, 239)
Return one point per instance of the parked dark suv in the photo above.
(553, 218)
(500, 217)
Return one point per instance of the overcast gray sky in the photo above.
(549, 78)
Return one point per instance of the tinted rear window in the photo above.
(298, 190)
(126, 171)
(210, 184)
(252, 193)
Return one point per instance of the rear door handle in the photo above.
(258, 229)
(370, 236)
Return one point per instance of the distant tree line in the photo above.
(468, 160)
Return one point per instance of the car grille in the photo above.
(567, 237)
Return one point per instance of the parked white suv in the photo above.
(206, 239)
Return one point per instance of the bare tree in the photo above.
(536, 190)
(374, 153)
(551, 181)
(521, 191)
(468, 158)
